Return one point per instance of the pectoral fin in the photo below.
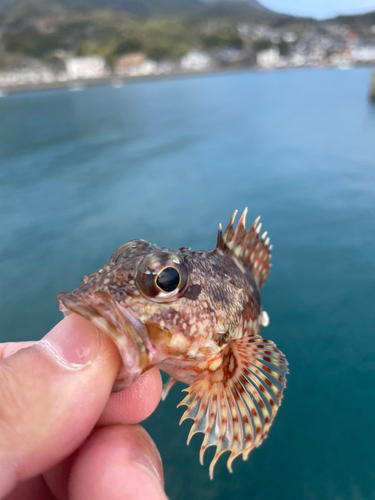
(237, 399)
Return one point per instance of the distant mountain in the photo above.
(152, 8)
(144, 8)
(356, 20)
(240, 10)
(254, 3)
(161, 7)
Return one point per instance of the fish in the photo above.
(197, 315)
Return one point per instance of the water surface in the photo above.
(83, 172)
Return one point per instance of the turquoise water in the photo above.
(83, 172)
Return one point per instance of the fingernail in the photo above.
(74, 342)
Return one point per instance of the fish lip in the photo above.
(124, 328)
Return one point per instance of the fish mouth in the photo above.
(124, 328)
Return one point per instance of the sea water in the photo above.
(83, 172)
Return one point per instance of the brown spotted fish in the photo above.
(196, 315)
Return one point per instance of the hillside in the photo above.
(152, 8)
(357, 21)
(241, 11)
(165, 30)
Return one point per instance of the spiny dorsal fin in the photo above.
(254, 251)
(236, 400)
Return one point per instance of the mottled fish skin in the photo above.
(196, 315)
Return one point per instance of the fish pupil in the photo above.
(169, 279)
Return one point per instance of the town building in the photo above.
(128, 64)
(364, 54)
(269, 58)
(85, 67)
(195, 61)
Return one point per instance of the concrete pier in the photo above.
(372, 87)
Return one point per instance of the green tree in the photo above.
(222, 39)
(128, 45)
(262, 44)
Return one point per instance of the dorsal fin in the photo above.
(252, 250)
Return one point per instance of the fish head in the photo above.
(158, 304)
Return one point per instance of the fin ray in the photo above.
(167, 386)
(253, 250)
(234, 406)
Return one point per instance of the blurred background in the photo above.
(155, 119)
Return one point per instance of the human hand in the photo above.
(63, 434)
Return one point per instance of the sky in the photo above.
(320, 9)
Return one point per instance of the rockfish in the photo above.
(196, 315)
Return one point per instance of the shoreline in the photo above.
(120, 81)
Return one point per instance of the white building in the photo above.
(363, 54)
(269, 58)
(297, 60)
(341, 59)
(195, 61)
(148, 67)
(27, 76)
(136, 64)
(85, 67)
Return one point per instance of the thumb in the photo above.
(51, 395)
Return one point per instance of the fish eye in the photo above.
(162, 277)
(168, 279)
